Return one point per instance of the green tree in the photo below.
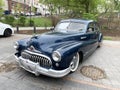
(76, 7)
(1, 8)
(17, 8)
(107, 6)
(21, 21)
(117, 5)
(9, 19)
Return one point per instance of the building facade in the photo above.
(20, 6)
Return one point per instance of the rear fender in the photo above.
(100, 37)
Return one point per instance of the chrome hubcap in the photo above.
(75, 62)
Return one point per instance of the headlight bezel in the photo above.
(56, 56)
(16, 45)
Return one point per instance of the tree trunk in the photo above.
(87, 7)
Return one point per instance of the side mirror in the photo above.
(51, 29)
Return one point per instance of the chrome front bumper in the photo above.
(37, 70)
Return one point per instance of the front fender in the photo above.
(67, 53)
(22, 45)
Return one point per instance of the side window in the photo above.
(91, 27)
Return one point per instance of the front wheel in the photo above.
(7, 33)
(75, 62)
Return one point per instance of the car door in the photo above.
(97, 30)
(93, 37)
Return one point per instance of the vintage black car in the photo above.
(59, 52)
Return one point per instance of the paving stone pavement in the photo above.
(107, 58)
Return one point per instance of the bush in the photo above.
(9, 19)
(41, 21)
(22, 21)
(31, 23)
(89, 16)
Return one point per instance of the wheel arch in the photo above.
(7, 29)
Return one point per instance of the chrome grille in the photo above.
(37, 58)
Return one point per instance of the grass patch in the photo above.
(40, 21)
(107, 38)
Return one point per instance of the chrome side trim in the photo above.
(84, 37)
(71, 44)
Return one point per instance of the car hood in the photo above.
(48, 42)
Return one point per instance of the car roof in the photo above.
(78, 20)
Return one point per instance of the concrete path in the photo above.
(31, 28)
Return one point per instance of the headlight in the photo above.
(56, 56)
(16, 45)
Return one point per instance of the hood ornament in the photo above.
(31, 48)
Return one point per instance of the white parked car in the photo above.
(6, 30)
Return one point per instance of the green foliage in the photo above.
(18, 8)
(89, 16)
(110, 6)
(1, 3)
(22, 21)
(9, 19)
(107, 38)
(73, 7)
(107, 6)
(117, 5)
(31, 23)
(1, 13)
(1, 9)
(34, 9)
(40, 21)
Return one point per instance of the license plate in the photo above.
(28, 65)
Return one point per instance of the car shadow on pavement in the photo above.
(2, 36)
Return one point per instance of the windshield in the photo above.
(70, 26)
